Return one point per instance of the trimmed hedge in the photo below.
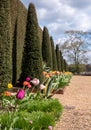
(46, 48)
(19, 14)
(58, 57)
(32, 56)
(5, 44)
(62, 61)
(16, 15)
(65, 65)
(54, 60)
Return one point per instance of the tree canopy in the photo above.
(75, 49)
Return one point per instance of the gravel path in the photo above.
(77, 105)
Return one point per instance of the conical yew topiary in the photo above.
(58, 57)
(54, 60)
(32, 55)
(46, 48)
(65, 65)
(14, 55)
(62, 62)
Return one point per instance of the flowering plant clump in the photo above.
(54, 80)
(22, 94)
(25, 110)
(25, 105)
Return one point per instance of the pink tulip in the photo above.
(35, 81)
(28, 79)
(29, 86)
(20, 94)
(30, 121)
(50, 127)
(42, 86)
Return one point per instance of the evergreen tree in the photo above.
(65, 65)
(67, 68)
(58, 57)
(46, 48)
(32, 55)
(54, 60)
(62, 62)
(5, 44)
(14, 55)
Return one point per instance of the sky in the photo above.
(63, 15)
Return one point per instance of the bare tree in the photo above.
(75, 49)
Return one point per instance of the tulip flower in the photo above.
(10, 85)
(57, 72)
(44, 73)
(29, 85)
(20, 94)
(53, 72)
(28, 79)
(42, 86)
(25, 83)
(35, 81)
(47, 76)
(6, 93)
(50, 127)
(30, 121)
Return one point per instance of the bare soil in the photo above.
(76, 101)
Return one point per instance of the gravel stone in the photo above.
(76, 101)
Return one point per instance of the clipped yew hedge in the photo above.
(5, 44)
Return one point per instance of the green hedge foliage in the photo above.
(46, 48)
(5, 44)
(32, 56)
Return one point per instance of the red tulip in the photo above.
(25, 83)
(29, 85)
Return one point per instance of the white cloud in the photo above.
(43, 14)
(61, 15)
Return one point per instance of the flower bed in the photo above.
(25, 110)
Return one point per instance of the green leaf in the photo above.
(49, 86)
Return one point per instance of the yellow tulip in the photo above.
(10, 85)
(47, 76)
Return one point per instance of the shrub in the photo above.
(54, 60)
(5, 44)
(58, 58)
(32, 55)
(46, 48)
